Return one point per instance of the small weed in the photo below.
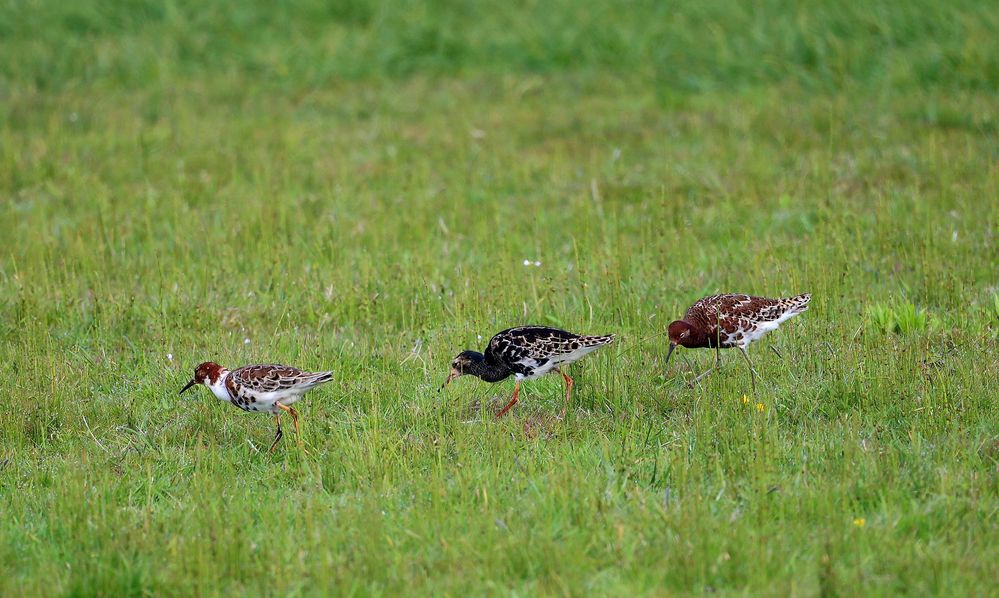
(901, 317)
(909, 319)
(881, 318)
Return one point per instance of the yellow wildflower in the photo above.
(760, 407)
(745, 400)
(859, 521)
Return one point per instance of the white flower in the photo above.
(527, 262)
(169, 356)
(246, 341)
(537, 264)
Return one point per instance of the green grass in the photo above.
(355, 186)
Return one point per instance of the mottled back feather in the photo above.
(731, 320)
(526, 349)
(274, 377)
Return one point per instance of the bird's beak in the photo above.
(454, 374)
(670, 352)
(189, 385)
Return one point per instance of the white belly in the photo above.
(559, 360)
(267, 400)
(759, 330)
(538, 371)
(757, 334)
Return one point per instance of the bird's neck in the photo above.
(218, 387)
(489, 372)
(697, 338)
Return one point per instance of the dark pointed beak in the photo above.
(189, 385)
(454, 374)
(670, 352)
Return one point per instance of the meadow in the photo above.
(356, 186)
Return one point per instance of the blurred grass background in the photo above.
(356, 185)
(675, 47)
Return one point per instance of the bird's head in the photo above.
(206, 373)
(679, 334)
(463, 363)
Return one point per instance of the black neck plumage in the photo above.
(488, 372)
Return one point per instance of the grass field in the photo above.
(353, 186)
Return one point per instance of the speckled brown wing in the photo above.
(730, 316)
(710, 309)
(274, 377)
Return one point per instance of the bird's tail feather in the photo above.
(317, 378)
(799, 303)
(596, 341)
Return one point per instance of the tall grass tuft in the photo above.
(900, 317)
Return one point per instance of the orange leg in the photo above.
(568, 390)
(278, 434)
(513, 401)
(294, 420)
